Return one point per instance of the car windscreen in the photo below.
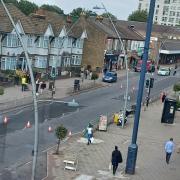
(111, 74)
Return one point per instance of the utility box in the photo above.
(168, 111)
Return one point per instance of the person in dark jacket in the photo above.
(116, 159)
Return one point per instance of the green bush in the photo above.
(1, 90)
(177, 104)
(94, 76)
(176, 87)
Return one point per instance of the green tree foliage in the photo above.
(176, 87)
(138, 15)
(27, 7)
(61, 133)
(52, 8)
(1, 90)
(106, 15)
(77, 12)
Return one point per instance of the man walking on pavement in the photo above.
(169, 147)
(116, 159)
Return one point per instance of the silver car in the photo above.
(164, 71)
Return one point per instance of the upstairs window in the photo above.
(11, 40)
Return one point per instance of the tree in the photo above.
(106, 15)
(27, 7)
(77, 12)
(138, 15)
(61, 133)
(52, 8)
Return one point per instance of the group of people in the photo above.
(41, 85)
(86, 74)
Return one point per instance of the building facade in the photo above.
(167, 12)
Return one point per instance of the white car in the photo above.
(164, 72)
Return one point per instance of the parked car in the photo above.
(110, 77)
(164, 71)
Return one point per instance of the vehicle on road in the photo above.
(110, 77)
(149, 66)
(164, 71)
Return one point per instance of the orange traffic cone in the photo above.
(28, 125)
(49, 129)
(5, 121)
(69, 133)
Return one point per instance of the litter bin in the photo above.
(168, 111)
(76, 85)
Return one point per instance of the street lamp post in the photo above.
(125, 57)
(133, 148)
(35, 150)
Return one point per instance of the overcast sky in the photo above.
(120, 8)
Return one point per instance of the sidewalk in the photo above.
(94, 159)
(13, 96)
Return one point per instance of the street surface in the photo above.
(17, 142)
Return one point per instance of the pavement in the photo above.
(93, 160)
(13, 96)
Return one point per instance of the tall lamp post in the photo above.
(133, 148)
(33, 91)
(125, 56)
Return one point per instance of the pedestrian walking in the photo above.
(37, 86)
(89, 133)
(169, 148)
(23, 83)
(116, 159)
(163, 97)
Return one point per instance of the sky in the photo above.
(120, 8)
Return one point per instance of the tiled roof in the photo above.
(160, 30)
(5, 24)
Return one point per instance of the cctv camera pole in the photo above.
(133, 148)
(33, 91)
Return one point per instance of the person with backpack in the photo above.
(116, 159)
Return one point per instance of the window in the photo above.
(66, 61)
(40, 61)
(42, 42)
(69, 41)
(165, 10)
(172, 13)
(11, 40)
(173, 7)
(164, 19)
(8, 63)
(76, 60)
(157, 11)
(158, 6)
(178, 14)
(171, 20)
(178, 21)
(30, 41)
(46, 42)
(166, 1)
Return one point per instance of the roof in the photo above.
(171, 45)
(5, 23)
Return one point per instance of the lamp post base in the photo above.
(131, 159)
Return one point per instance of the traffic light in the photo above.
(147, 83)
(151, 82)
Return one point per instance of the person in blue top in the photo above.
(169, 148)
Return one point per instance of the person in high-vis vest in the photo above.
(23, 83)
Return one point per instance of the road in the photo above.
(17, 142)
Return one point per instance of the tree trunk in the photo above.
(57, 151)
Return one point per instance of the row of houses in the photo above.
(55, 41)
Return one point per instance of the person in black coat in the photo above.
(116, 159)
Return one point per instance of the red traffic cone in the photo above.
(28, 125)
(49, 129)
(5, 121)
(69, 133)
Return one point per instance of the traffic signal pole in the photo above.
(133, 148)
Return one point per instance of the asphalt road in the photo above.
(16, 142)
